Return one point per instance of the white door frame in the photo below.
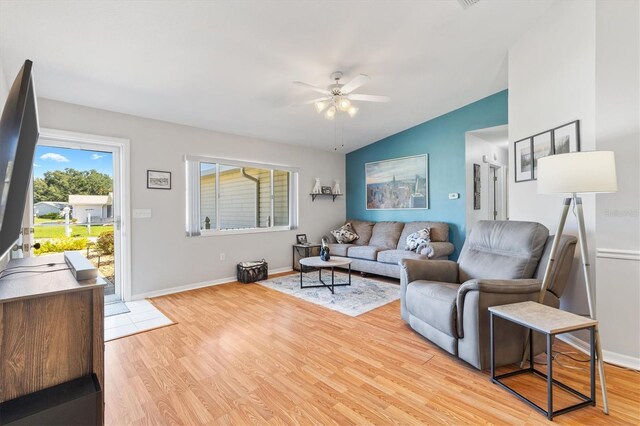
(66, 140)
(499, 191)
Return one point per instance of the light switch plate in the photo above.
(454, 196)
(141, 213)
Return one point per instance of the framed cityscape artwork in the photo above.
(399, 183)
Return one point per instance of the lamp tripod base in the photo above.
(586, 267)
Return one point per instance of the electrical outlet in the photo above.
(223, 256)
(454, 196)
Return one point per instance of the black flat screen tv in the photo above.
(18, 138)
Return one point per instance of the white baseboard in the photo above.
(609, 357)
(194, 286)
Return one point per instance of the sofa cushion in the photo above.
(386, 235)
(363, 229)
(395, 256)
(434, 303)
(345, 234)
(364, 252)
(502, 249)
(338, 249)
(438, 231)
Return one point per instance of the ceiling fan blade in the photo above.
(369, 98)
(355, 83)
(309, 86)
(313, 101)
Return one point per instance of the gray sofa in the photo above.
(501, 262)
(380, 246)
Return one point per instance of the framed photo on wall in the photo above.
(523, 160)
(399, 183)
(157, 179)
(566, 138)
(542, 147)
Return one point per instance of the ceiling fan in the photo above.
(339, 97)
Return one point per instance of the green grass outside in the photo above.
(50, 231)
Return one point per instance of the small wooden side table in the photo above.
(548, 321)
(300, 251)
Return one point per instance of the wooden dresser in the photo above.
(51, 329)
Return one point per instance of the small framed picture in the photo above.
(566, 138)
(542, 147)
(158, 180)
(523, 160)
(326, 190)
(301, 239)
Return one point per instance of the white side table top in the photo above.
(316, 262)
(542, 318)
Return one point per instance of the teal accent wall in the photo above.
(443, 138)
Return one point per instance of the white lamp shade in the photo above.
(577, 172)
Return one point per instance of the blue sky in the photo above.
(49, 158)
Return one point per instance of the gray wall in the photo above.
(552, 82)
(580, 61)
(4, 91)
(617, 215)
(162, 257)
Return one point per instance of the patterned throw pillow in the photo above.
(418, 240)
(345, 234)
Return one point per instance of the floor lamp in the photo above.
(573, 174)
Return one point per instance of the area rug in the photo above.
(115, 308)
(362, 296)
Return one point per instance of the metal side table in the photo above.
(548, 321)
(300, 251)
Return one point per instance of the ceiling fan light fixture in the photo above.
(343, 103)
(330, 113)
(339, 98)
(321, 106)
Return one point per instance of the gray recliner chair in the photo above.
(501, 262)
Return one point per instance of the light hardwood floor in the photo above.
(243, 354)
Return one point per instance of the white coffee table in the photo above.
(333, 262)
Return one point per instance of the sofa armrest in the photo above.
(330, 238)
(441, 249)
(500, 292)
(431, 270)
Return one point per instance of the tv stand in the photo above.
(52, 331)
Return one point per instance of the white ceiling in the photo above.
(498, 135)
(228, 66)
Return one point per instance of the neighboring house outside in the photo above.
(245, 197)
(46, 207)
(100, 207)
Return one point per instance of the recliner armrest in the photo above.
(430, 270)
(506, 287)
